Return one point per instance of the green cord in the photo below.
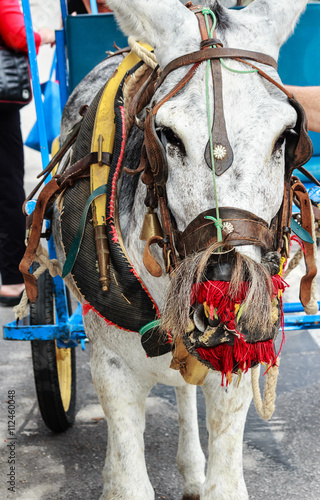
(236, 70)
(217, 221)
(149, 326)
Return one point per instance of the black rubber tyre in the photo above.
(56, 390)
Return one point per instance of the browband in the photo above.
(215, 53)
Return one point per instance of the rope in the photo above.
(293, 262)
(129, 90)
(42, 256)
(266, 407)
(144, 54)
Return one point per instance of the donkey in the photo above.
(257, 125)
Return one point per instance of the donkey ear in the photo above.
(167, 25)
(276, 18)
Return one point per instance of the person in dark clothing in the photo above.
(83, 6)
(12, 196)
(76, 7)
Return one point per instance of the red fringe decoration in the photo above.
(225, 356)
(242, 354)
(86, 307)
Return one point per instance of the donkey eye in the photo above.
(288, 136)
(168, 137)
(279, 143)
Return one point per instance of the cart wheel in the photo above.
(54, 368)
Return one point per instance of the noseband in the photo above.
(239, 227)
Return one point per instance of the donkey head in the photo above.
(224, 145)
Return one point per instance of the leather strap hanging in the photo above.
(219, 130)
(300, 192)
(71, 138)
(45, 200)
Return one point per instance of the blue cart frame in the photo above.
(68, 330)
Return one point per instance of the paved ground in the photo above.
(281, 458)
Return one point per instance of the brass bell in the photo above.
(151, 226)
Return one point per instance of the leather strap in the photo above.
(57, 157)
(239, 227)
(302, 148)
(45, 200)
(143, 95)
(29, 280)
(217, 53)
(306, 222)
(309, 175)
(169, 253)
(283, 222)
(176, 88)
(219, 130)
(155, 152)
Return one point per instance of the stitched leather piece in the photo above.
(245, 229)
(219, 131)
(127, 303)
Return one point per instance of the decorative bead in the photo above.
(219, 152)
(227, 227)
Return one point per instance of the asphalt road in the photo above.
(281, 458)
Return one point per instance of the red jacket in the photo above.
(12, 30)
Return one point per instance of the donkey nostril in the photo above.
(220, 271)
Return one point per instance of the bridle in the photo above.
(239, 227)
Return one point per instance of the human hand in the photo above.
(47, 36)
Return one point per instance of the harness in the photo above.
(116, 291)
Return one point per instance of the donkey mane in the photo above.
(129, 182)
(223, 19)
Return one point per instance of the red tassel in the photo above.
(228, 358)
